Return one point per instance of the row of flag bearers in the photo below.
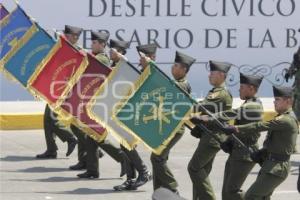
(210, 126)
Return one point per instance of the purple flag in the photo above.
(3, 11)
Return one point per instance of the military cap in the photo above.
(184, 59)
(100, 36)
(123, 45)
(219, 66)
(251, 80)
(72, 30)
(282, 91)
(147, 48)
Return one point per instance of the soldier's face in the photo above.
(178, 71)
(72, 38)
(246, 91)
(97, 47)
(216, 78)
(152, 56)
(281, 104)
(115, 55)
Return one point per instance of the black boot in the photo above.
(89, 174)
(124, 164)
(78, 166)
(127, 185)
(71, 146)
(47, 155)
(143, 178)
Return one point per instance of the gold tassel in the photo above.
(44, 62)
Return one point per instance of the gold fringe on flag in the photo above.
(146, 73)
(99, 120)
(29, 33)
(70, 119)
(74, 79)
(43, 63)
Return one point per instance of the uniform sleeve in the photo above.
(184, 86)
(103, 59)
(218, 103)
(275, 124)
(228, 114)
(249, 111)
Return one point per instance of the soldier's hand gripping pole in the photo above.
(222, 128)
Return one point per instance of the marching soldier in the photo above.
(294, 70)
(51, 126)
(98, 45)
(150, 54)
(118, 49)
(99, 40)
(162, 175)
(278, 146)
(239, 164)
(218, 99)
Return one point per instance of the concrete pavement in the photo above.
(24, 177)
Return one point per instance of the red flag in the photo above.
(75, 105)
(63, 66)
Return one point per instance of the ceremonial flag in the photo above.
(61, 69)
(154, 110)
(74, 106)
(15, 28)
(116, 86)
(28, 56)
(3, 11)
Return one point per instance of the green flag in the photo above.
(154, 110)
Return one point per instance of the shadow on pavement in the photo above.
(24, 158)
(40, 170)
(86, 191)
(62, 179)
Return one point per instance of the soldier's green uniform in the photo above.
(280, 143)
(218, 99)
(81, 149)
(296, 106)
(239, 163)
(92, 157)
(52, 129)
(51, 126)
(81, 136)
(162, 175)
(294, 70)
(134, 160)
(103, 58)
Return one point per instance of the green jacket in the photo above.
(282, 133)
(103, 58)
(184, 85)
(281, 139)
(218, 99)
(296, 95)
(250, 111)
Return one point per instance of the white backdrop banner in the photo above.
(257, 36)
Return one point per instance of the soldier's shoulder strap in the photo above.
(227, 91)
